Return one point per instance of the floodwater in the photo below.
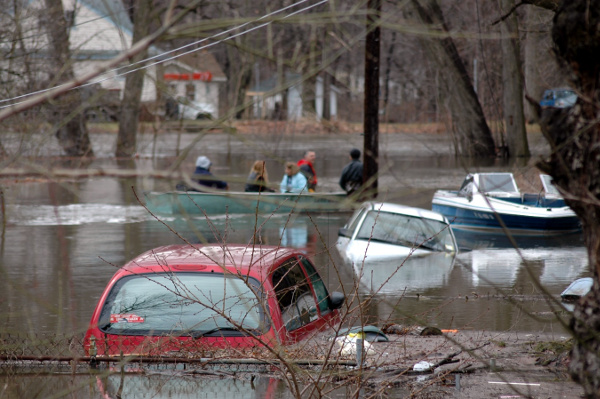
(62, 240)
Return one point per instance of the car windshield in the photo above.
(183, 304)
(409, 231)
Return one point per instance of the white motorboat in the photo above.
(493, 202)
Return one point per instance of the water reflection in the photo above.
(496, 260)
(500, 268)
(61, 242)
(74, 214)
(167, 384)
(296, 230)
(156, 384)
(469, 240)
(403, 275)
(478, 288)
(295, 235)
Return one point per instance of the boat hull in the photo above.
(203, 203)
(492, 214)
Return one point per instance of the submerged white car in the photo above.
(380, 230)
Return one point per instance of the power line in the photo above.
(96, 81)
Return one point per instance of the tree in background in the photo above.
(574, 136)
(134, 82)
(473, 137)
(67, 112)
(537, 52)
(512, 81)
(424, 81)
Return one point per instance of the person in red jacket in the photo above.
(307, 168)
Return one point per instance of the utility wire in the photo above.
(96, 81)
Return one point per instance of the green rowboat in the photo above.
(234, 202)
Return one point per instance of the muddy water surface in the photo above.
(61, 241)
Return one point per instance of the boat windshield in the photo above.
(497, 183)
(183, 304)
(408, 231)
(549, 186)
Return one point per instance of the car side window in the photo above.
(318, 285)
(294, 296)
(355, 219)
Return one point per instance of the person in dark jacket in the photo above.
(204, 177)
(352, 174)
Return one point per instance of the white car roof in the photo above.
(405, 210)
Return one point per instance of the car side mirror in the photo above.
(337, 299)
(343, 232)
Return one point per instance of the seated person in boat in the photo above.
(204, 177)
(352, 174)
(307, 168)
(258, 179)
(293, 180)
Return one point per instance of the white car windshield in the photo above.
(409, 231)
(194, 304)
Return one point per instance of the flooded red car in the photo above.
(195, 297)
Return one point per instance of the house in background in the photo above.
(267, 101)
(320, 98)
(197, 78)
(100, 30)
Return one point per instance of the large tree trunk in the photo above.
(309, 84)
(474, 138)
(537, 25)
(134, 84)
(67, 113)
(574, 134)
(386, 79)
(512, 82)
(371, 100)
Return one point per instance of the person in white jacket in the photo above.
(293, 181)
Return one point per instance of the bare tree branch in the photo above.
(78, 81)
(551, 5)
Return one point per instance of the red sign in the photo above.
(126, 318)
(203, 76)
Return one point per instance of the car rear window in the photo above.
(182, 304)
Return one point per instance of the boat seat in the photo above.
(531, 199)
(552, 202)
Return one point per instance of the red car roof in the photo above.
(245, 259)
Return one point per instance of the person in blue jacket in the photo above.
(293, 180)
(204, 177)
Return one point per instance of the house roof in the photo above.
(102, 29)
(203, 61)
